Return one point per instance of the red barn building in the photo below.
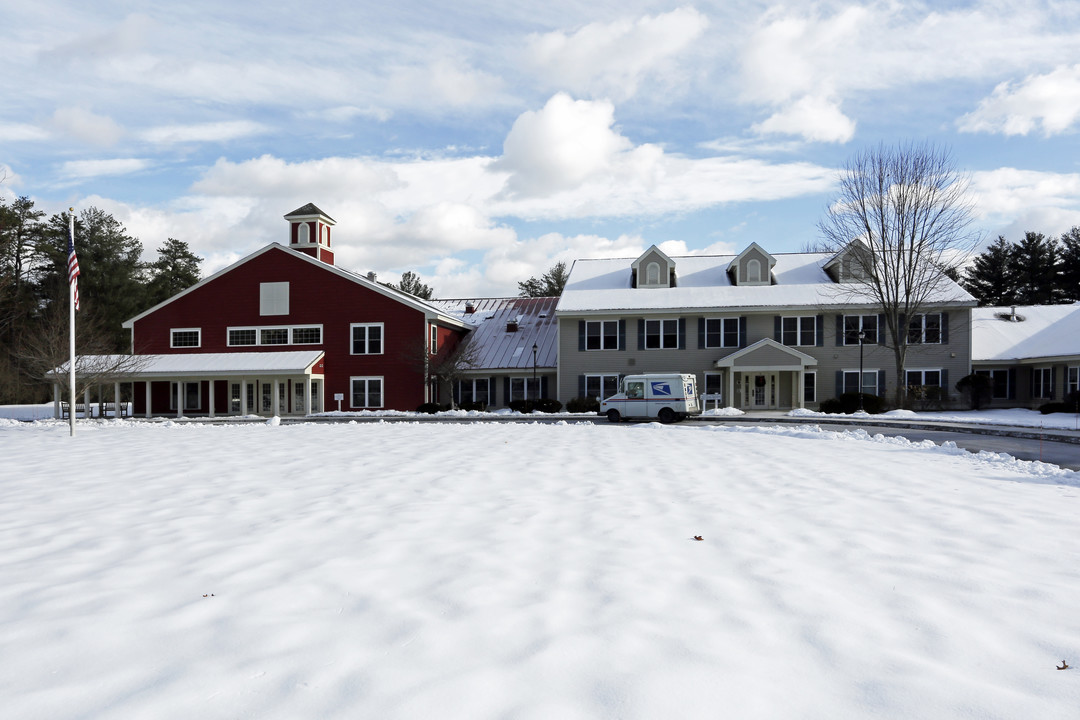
(285, 331)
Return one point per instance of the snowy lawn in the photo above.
(529, 571)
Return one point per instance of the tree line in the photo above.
(1038, 270)
(114, 285)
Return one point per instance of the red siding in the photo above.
(317, 296)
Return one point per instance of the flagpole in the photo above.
(71, 330)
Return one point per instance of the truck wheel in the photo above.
(666, 416)
(613, 416)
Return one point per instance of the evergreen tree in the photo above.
(992, 276)
(550, 284)
(1070, 265)
(410, 283)
(19, 224)
(176, 269)
(1037, 270)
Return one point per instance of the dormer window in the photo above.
(653, 269)
(753, 271)
(303, 234)
(753, 266)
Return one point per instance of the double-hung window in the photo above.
(866, 324)
(799, 330)
(1073, 382)
(869, 382)
(473, 391)
(924, 329)
(999, 383)
(433, 340)
(810, 386)
(914, 378)
(367, 392)
(524, 388)
(601, 334)
(661, 334)
(367, 338)
(721, 332)
(601, 387)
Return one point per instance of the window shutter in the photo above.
(944, 328)
(776, 328)
(945, 380)
(880, 383)
(839, 383)
(1012, 384)
(701, 333)
(904, 329)
(641, 334)
(742, 331)
(1053, 381)
(581, 386)
(622, 334)
(506, 391)
(839, 329)
(491, 392)
(543, 386)
(881, 329)
(457, 392)
(581, 336)
(682, 333)
(820, 327)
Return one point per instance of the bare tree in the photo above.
(903, 216)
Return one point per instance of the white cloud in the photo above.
(21, 132)
(816, 119)
(1010, 191)
(203, 132)
(611, 59)
(1050, 102)
(82, 169)
(86, 126)
(443, 82)
(560, 146)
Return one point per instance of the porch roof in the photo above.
(236, 364)
(767, 354)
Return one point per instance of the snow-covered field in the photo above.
(529, 571)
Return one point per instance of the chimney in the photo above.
(469, 307)
(511, 325)
(372, 276)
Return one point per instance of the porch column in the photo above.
(307, 394)
(211, 405)
(243, 396)
(56, 400)
(799, 394)
(179, 399)
(148, 383)
(116, 399)
(87, 412)
(274, 398)
(731, 387)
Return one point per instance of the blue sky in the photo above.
(478, 142)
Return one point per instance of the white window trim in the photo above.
(368, 378)
(866, 371)
(258, 335)
(602, 376)
(877, 331)
(798, 329)
(526, 380)
(230, 330)
(471, 383)
(294, 328)
(433, 339)
(704, 387)
(382, 337)
(722, 321)
(601, 323)
(291, 340)
(172, 337)
(922, 329)
(183, 393)
(938, 370)
(1072, 379)
(1039, 386)
(662, 321)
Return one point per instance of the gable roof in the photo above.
(1046, 331)
(498, 349)
(599, 285)
(416, 303)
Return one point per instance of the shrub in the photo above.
(976, 388)
(1053, 407)
(430, 408)
(925, 397)
(583, 405)
(478, 406)
(849, 403)
(547, 405)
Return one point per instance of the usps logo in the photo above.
(661, 389)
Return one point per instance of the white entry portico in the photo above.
(766, 376)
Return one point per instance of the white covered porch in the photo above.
(768, 376)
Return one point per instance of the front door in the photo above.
(761, 389)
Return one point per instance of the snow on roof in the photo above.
(498, 348)
(295, 362)
(1045, 331)
(703, 282)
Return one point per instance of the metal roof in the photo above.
(296, 362)
(498, 348)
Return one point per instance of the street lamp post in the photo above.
(862, 336)
(534, 373)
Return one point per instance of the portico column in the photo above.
(731, 387)
(307, 394)
(243, 396)
(148, 383)
(116, 399)
(179, 399)
(87, 412)
(56, 400)
(799, 394)
(211, 403)
(274, 398)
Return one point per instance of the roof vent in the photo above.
(372, 276)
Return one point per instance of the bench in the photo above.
(65, 408)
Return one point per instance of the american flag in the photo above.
(73, 270)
